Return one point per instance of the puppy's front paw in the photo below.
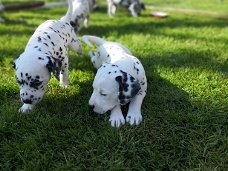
(117, 120)
(134, 118)
(25, 108)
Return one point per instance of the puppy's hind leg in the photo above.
(63, 77)
(111, 8)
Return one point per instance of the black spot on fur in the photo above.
(142, 83)
(131, 78)
(39, 39)
(125, 86)
(135, 88)
(18, 81)
(73, 24)
(35, 83)
(54, 66)
(124, 76)
(40, 58)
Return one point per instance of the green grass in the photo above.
(185, 111)
(207, 5)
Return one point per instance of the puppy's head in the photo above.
(136, 7)
(32, 75)
(111, 87)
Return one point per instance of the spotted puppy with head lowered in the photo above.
(45, 52)
(120, 79)
(134, 7)
(81, 12)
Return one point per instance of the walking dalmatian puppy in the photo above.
(80, 13)
(134, 7)
(45, 52)
(120, 79)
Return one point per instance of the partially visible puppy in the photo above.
(120, 79)
(45, 52)
(92, 5)
(1, 9)
(134, 7)
(80, 14)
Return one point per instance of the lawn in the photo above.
(185, 124)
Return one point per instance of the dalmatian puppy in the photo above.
(46, 52)
(92, 5)
(80, 13)
(134, 7)
(1, 9)
(120, 79)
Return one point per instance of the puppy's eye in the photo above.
(103, 94)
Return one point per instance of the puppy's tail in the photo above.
(68, 15)
(93, 39)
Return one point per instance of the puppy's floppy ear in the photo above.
(54, 65)
(128, 87)
(135, 87)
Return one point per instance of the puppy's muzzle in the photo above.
(27, 101)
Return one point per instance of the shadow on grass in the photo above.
(191, 58)
(63, 121)
(155, 27)
(171, 129)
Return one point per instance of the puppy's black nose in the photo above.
(27, 101)
(91, 107)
